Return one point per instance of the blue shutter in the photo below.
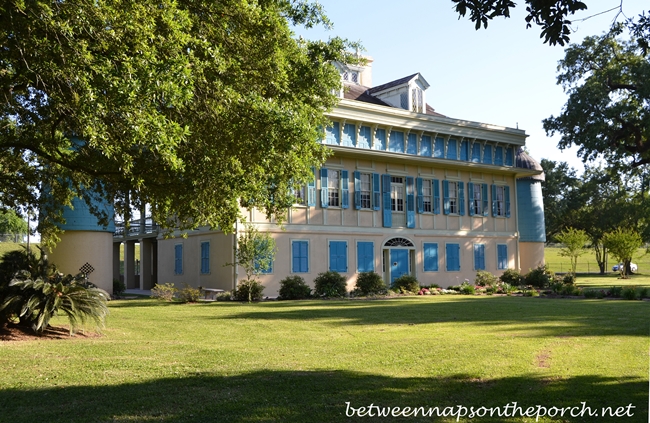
(380, 140)
(178, 259)
(453, 257)
(476, 153)
(502, 256)
(452, 149)
(376, 192)
(479, 256)
(436, 196)
(430, 257)
(205, 257)
(365, 257)
(425, 146)
(349, 135)
(509, 160)
(357, 190)
(445, 194)
(324, 198)
(412, 144)
(484, 197)
(461, 198)
(300, 256)
(295, 257)
(487, 154)
(506, 194)
(396, 142)
(385, 190)
(439, 148)
(498, 156)
(494, 200)
(311, 189)
(364, 137)
(464, 150)
(410, 203)
(338, 256)
(333, 134)
(470, 198)
(418, 186)
(345, 190)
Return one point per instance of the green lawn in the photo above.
(587, 262)
(302, 361)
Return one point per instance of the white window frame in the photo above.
(501, 204)
(427, 184)
(477, 199)
(397, 194)
(363, 192)
(453, 199)
(333, 190)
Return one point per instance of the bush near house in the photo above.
(539, 277)
(294, 288)
(330, 284)
(511, 277)
(248, 290)
(188, 294)
(406, 284)
(369, 283)
(164, 292)
(485, 278)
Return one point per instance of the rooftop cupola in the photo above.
(406, 93)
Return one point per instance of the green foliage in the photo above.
(570, 290)
(187, 294)
(539, 277)
(11, 223)
(574, 241)
(330, 284)
(467, 289)
(164, 292)
(569, 278)
(189, 107)
(254, 252)
(622, 244)
(511, 277)
(644, 292)
(369, 283)
(118, 287)
(224, 296)
(530, 292)
(248, 290)
(616, 291)
(294, 288)
(593, 293)
(406, 284)
(630, 293)
(485, 278)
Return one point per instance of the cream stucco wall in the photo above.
(77, 248)
(531, 256)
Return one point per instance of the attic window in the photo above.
(350, 76)
(404, 101)
(416, 100)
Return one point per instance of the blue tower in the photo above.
(530, 213)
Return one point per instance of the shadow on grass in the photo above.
(313, 396)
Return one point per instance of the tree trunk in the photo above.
(600, 251)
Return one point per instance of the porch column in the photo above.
(145, 264)
(129, 265)
(116, 260)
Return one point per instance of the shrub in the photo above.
(330, 284)
(556, 286)
(294, 288)
(11, 263)
(569, 278)
(539, 277)
(572, 290)
(615, 291)
(369, 283)
(248, 290)
(643, 292)
(511, 277)
(593, 293)
(164, 292)
(189, 294)
(118, 287)
(530, 292)
(406, 283)
(224, 296)
(484, 278)
(467, 289)
(629, 293)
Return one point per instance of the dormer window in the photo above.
(350, 76)
(417, 105)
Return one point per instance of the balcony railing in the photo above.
(135, 228)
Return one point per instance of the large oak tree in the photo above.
(193, 107)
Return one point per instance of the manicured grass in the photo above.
(587, 262)
(302, 361)
(11, 246)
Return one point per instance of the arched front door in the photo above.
(399, 254)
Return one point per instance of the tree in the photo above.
(12, 224)
(608, 111)
(574, 241)
(622, 244)
(185, 105)
(551, 16)
(254, 252)
(562, 194)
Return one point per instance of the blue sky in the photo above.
(503, 75)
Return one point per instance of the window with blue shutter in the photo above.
(471, 199)
(452, 253)
(446, 207)
(412, 144)
(410, 203)
(509, 156)
(205, 257)
(339, 256)
(300, 256)
(425, 146)
(494, 200)
(333, 134)
(349, 135)
(484, 189)
(365, 257)
(479, 256)
(507, 198)
(385, 191)
(436, 196)
(311, 189)
(476, 153)
(357, 190)
(345, 190)
(461, 198)
(396, 142)
(418, 187)
(364, 137)
(324, 195)
(439, 148)
(464, 150)
(487, 154)
(380, 140)
(452, 149)
(498, 156)
(376, 192)
(178, 259)
(430, 257)
(502, 256)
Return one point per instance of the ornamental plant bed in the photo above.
(15, 332)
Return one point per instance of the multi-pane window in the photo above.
(426, 197)
(476, 199)
(416, 100)
(397, 194)
(500, 201)
(365, 184)
(300, 194)
(333, 182)
(453, 197)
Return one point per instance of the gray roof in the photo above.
(360, 93)
(524, 161)
(390, 84)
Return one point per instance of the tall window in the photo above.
(178, 259)
(365, 190)
(479, 256)
(426, 197)
(452, 252)
(205, 257)
(299, 193)
(397, 194)
(502, 256)
(365, 257)
(500, 202)
(453, 197)
(416, 100)
(300, 256)
(333, 181)
(477, 200)
(430, 257)
(338, 256)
